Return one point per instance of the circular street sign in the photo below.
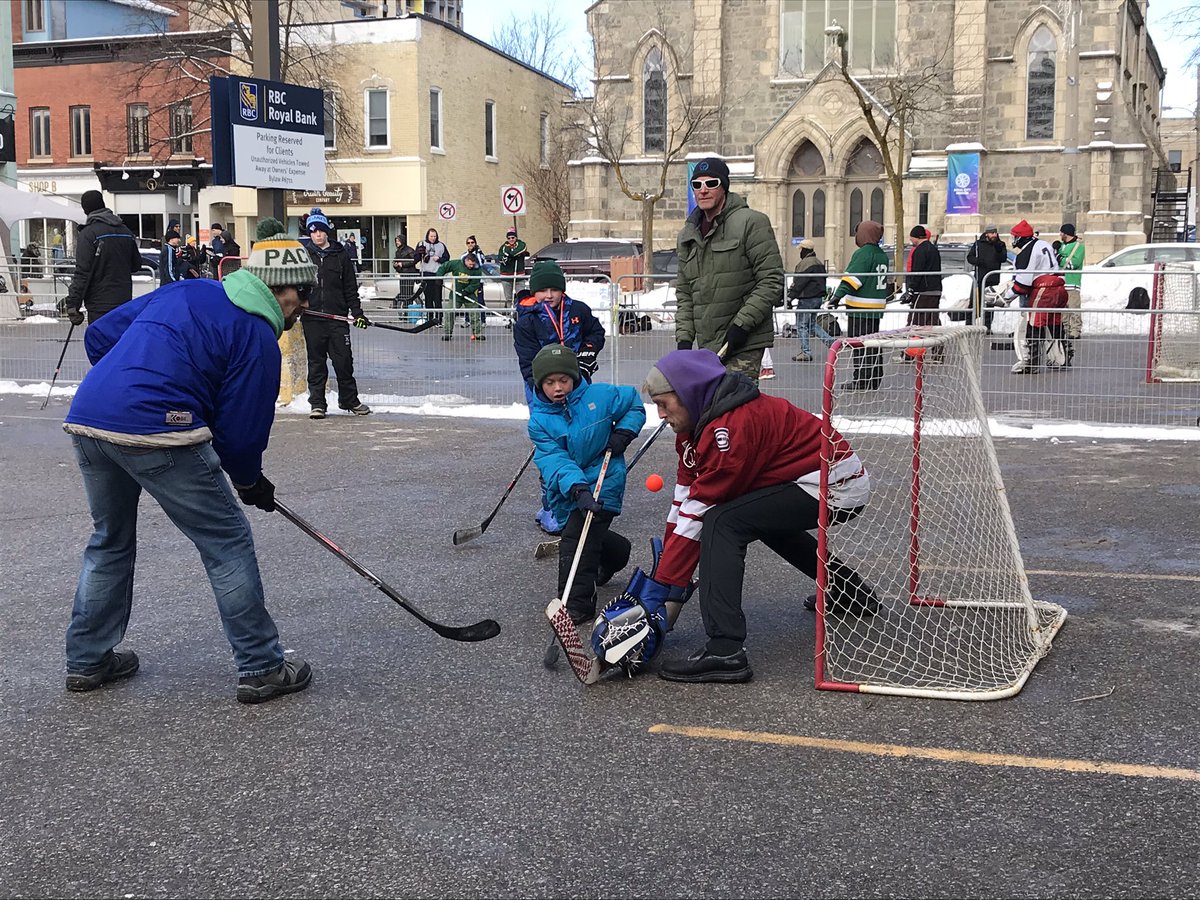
(447, 212)
(513, 199)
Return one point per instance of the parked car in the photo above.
(1149, 254)
(588, 257)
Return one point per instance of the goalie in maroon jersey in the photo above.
(749, 470)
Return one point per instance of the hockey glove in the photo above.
(736, 337)
(587, 361)
(619, 441)
(74, 315)
(260, 494)
(683, 345)
(582, 495)
(361, 321)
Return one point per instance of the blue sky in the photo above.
(481, 16)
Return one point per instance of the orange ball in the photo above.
(654, 482)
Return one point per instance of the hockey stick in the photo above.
(480, 631)
(469, 534)
(585, 666)
(415, 329)
(58, 368)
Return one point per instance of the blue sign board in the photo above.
(962, 184)
(267, 134)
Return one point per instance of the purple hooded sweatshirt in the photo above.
(694, 375)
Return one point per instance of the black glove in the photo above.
(361, 320)
(735, 338)
(587, 361)
(619, 440)
(582, 495)
(683, 345)
(260, 494)
(74, 315)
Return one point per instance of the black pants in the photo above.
(432, 289)
(868, 362)
(781, 517)
(604, 548)
(324, 338)
(925, 309)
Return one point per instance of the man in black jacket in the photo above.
(986, 255)
(806, 293)
(924, 281)
(106, 257)
(336, 293)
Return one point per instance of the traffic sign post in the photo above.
(512, 200)
(447, 211)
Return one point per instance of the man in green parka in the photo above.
(467, 293)
(730, 274)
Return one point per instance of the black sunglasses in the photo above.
(709, 183)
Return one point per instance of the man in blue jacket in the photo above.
(183, 385)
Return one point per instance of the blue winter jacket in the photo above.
(188, 349)
(538, 325)
(570, 438)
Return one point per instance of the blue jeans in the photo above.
(189, 485)
(806, 326)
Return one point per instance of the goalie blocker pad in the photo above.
(631, 628)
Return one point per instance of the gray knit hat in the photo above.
(278, 259)
(552, 359)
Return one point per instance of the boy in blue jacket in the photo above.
(183, 388)
(572, 424)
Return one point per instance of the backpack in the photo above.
(1049, 292)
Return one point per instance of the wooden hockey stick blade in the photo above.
(585, 666)
(547, 548)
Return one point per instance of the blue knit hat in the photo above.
(317, 219)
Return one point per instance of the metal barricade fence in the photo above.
(1106, 384)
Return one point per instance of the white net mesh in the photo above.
(935, 543)
(1175, 324)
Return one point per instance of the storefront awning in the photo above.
(16, 205)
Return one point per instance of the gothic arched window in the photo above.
(856, 206)
(654, 103)
(877, 205)
(798, 214)
(1039, 89)
(818, 223)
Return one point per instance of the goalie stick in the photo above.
(480, 631)
(585, 666)
(415, 329)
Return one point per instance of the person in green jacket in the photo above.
(1070, 259)
(511, 256)
(467, 293)
(730, 274)
(864, 288)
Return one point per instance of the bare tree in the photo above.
(175, 68)
(608, 127)
(539, 40)
(547, 180)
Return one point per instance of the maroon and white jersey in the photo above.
(764, 442)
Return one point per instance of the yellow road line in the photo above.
(1137, 576)
(1072, 766)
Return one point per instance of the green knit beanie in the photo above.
(547, 274)
(555, 359)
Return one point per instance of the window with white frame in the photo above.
(137, 126)
(1041, 71)
(377, 117)
(544, 140)
(39, 132)
(33, 15)
(81, 131)
(489, 129)
(435, 118)
(654, 103)
(330, 105)
(1175, 160)
(181, 128)
(870, 27)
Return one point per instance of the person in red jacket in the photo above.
(749, 470)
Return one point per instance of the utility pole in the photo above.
(8, 110)
(264, 32)
(1195, 176)
(1071, 138)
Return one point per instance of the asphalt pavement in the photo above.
(415, 766)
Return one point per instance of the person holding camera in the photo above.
(431, 253)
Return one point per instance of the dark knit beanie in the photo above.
(555, 359)
(547, 274)
(712, 167)
(91, 201)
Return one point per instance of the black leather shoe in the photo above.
(118, 664)
(860, 606)
(704, 666)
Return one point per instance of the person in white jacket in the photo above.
(1034, 257)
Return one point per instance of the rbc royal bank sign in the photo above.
(267, 134)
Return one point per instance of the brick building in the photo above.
(1053, 106)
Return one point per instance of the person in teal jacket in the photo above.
(572, 424)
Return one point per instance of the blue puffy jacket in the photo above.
(188, 348)
(537, 325)
(570, 438)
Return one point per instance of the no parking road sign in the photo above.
(512, 199)
(447, 212)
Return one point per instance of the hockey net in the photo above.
(1174, 349)
(935, 545)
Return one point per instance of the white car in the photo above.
(1108, 283)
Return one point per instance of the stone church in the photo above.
(1045, 111)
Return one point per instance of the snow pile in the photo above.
(38, 389)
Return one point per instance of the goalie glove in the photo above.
(587, 361)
